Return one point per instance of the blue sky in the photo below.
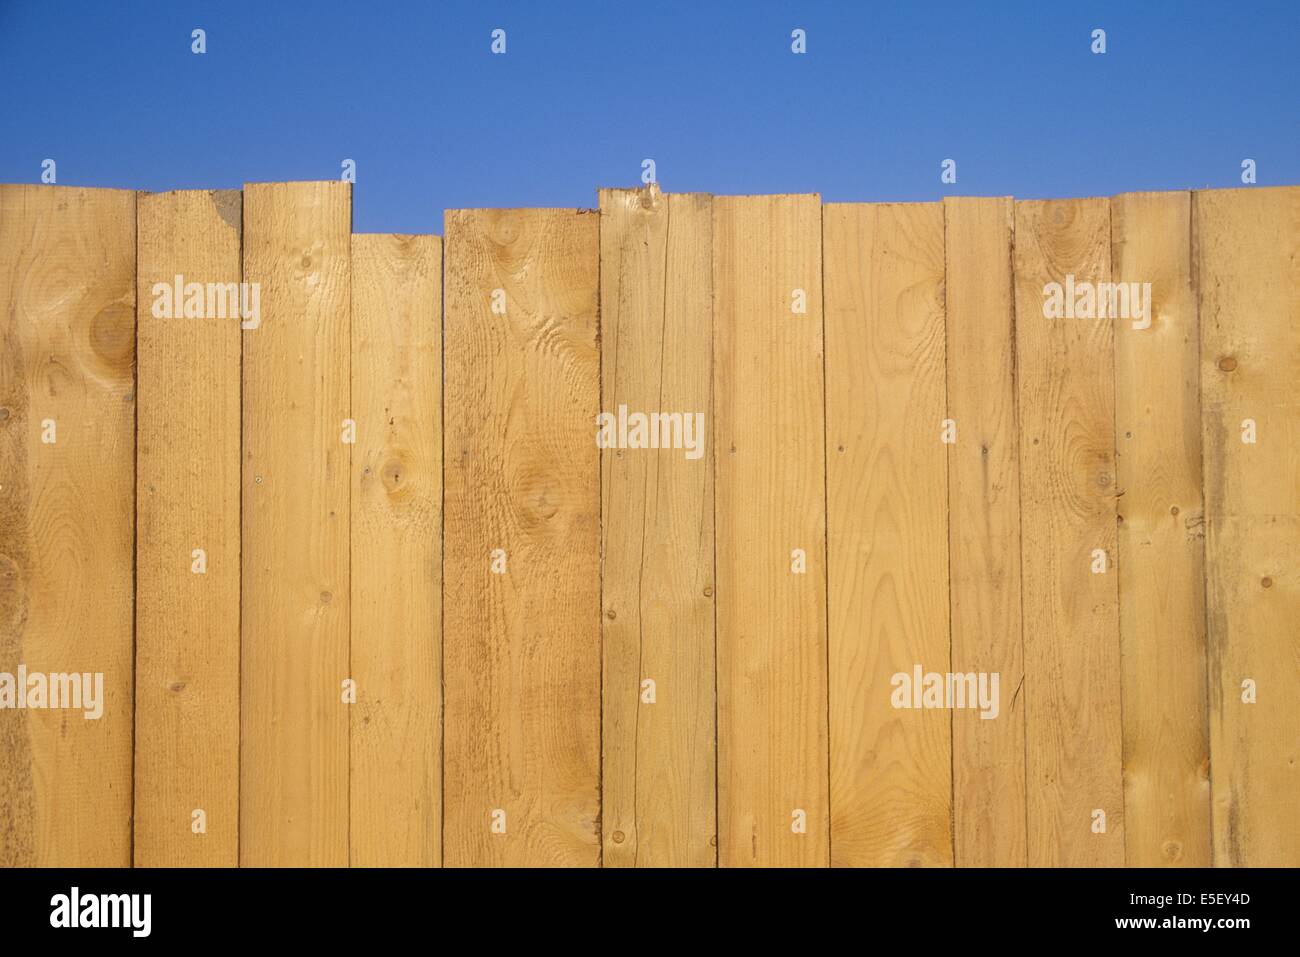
(709, 90)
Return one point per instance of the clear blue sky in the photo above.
(709, 90)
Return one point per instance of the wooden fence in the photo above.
(364, 589)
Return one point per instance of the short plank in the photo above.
(522, 493)
(296, 481)
(1067, 519)
(396, 738)
(187, 530)
(67, 467)
(1247, 245)
(770, 510)
(1161, 536)
(659, 770)
(984, 534)
(887, 515)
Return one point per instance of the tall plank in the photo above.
(1248, 262)
(67, 448)
(659, 770)
(522, 647)
(887, 512)
(1068, 517)
(396, 738)
(988, 754)
(769, 457)
(296, 483)
(187, 533)
(1161, 537)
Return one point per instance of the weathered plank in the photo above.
(770, 531)
(1247, 244)
(988, 760)
(887, 515)
(187, 530)
(1067, 481)
(659, 761)
(396, 736)
(521, 647)
(1161, 535)
(67, 449)
(296, 481)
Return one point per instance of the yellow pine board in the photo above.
(1067, 486)
(296, 484)
(67, 328)
(1161, 537)
(659, 771)
(187, 500)
(396, 737)
(770, 500)
(522, 478)
(887, 507)
(988, 762)
(1247, 250)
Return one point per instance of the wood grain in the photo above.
(396, 735)
(988, 755)
(887, 511)
(67, 518)
(1247, 250)
(226, 691)
(769, 457)
(522, 649)
(296, 481)
(1161, 538)
(659, 797)
(1071, 615)
(187, 499)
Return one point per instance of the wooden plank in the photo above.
(187, 531)
(67, 321)
(887, 511)
(659, 771)
(770, 501)
(988, 762)
(296, 482)
(1161, 536)
(396, 738)
(1067, 483)
(1247, 244)
(522, 649)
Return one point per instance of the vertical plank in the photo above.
(296, 483)
(988, 754)
(659, 771)
(887, 511)
(1247, 245)
(1161, 537)
(396, 738)
(187, 499)
(522, 649)
(67, 317)
(1067, 482)
(769, 456)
